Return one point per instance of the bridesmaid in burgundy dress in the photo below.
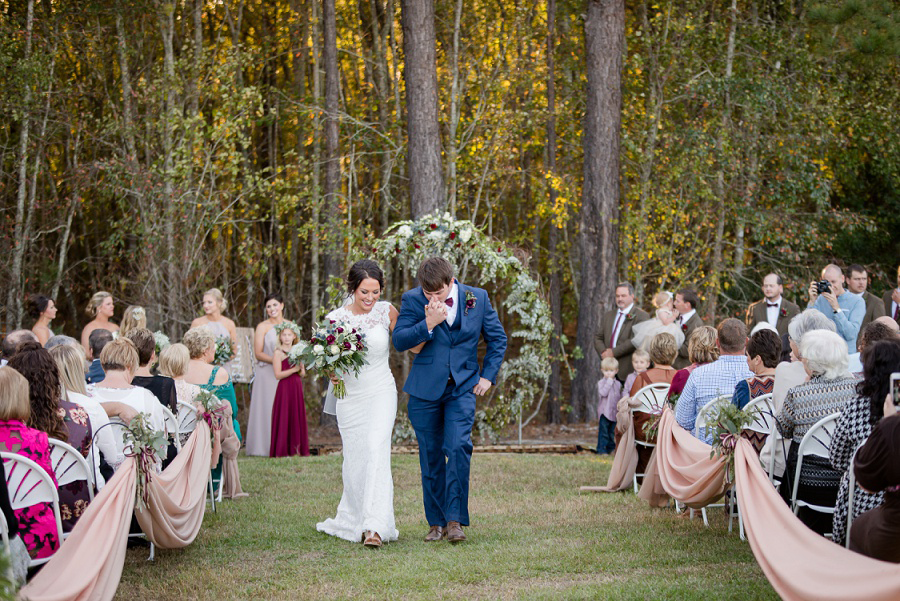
(289, 433)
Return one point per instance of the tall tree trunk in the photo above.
(333, 253)
(316, 246)
(127, 114)
(168, 294)
(715, 281)
(14, 295)
(604, 34)
(380, 28)
(553, 405)
(455, 92)
(424, 146)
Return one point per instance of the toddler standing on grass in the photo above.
(609, 391)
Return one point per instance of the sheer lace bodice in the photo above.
(376, 325)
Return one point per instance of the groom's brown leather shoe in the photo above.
(455, 532)
(435, 534)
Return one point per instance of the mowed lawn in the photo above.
(533, 536)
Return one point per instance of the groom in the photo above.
(449, 318)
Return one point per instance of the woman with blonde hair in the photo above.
(702, 349)
(70, 362)
(101, 308)
(37, 524)
(214, 304)
(173, 363)
(135, 317)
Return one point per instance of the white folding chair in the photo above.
(171, 425)
(703, 419)
(765, 418)
(29, 484)
(851, 492)
(816, 441)
(187, 421)
(652, 399)
(69, 466)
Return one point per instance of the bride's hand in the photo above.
(335, 379)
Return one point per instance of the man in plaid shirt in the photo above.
(717, 378)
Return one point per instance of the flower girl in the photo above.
(289, 429)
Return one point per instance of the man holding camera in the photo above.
(844, 309)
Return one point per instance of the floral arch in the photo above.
(483, 261)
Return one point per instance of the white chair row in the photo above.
(652, 399)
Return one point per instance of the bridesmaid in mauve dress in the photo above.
(262, 396)
(289, 431)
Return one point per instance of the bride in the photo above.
(664, 321)
(366, 416)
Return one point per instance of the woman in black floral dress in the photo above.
(58, 418)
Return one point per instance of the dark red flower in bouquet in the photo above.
(340, 330)
(417, 246)
(347, 346)
(359, 346)
(353, 331)
(397, 250)
(433, 226)
(358, 337)
(330, 339)
(453, 235)
(331, 321)
(313, 341)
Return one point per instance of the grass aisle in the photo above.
(534, 536)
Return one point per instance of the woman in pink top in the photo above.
(37, 525)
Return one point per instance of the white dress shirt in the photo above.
(772, 312)
(683, 319)
(620, 321)
(452, 311)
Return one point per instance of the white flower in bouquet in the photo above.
(405, 231)
(335, 349)
(435, 235)
(319, 349)
(466, 234)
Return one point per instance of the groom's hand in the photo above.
(435, 313)
(482, 386)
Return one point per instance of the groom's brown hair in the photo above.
(434, 274)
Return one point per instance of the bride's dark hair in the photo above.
(361, 270)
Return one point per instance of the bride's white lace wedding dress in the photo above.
(366, 420)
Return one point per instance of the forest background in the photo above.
(155, 149)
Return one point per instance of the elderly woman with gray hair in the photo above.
(829, 390)
(789, 374)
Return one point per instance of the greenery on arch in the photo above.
(483, 261)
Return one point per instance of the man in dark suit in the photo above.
(773, 308)
(614, 337)
(891, 300)
(857, 283)
(686, 303)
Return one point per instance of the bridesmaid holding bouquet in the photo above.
(289, 430)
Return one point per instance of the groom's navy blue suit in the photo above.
(441, 393)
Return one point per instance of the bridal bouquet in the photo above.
(335, 349)
(224, 350)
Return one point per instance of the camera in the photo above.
(823, 286)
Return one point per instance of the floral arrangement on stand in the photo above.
(728, 424)
(523, 379)
(224, 350)
(148, 447)
(334, 349)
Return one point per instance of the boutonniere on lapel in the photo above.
(630, 316)
(684, 327)
(783, 312)
(470, 302)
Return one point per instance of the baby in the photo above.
(609, 391)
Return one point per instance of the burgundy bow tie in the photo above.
(449, 302)
(771, 304)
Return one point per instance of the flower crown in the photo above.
(137, 312)
(288, 325)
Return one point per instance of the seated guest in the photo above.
(788, 375)
(18, 552)
(173, 363)
(60, 339)
(98, 339)
(773, 309)
(702, 349)
(37, 523)
(846, 310)
(763, 352)
(13, 340)
(829, 390)
(105, 458)
(58, 418)
(162, 387)
(858, 418)
(876, 533)
(872, 333)
(663, 351)
(890, 322)
(717, 378)
(201, 344)
(120, 360)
